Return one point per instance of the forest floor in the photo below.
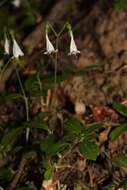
(82, 143)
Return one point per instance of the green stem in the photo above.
(65, 25)
(52, 29)
(26, 103)
(55, 77)
(4, 68)
(56, 60)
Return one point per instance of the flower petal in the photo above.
(49, 46)
(73, 47)
(16, 50)
(6, 46)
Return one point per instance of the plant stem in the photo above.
(55, 78)
(65, 25)
(56, 60)
(26, 103)
(4, 68)
(53, 29)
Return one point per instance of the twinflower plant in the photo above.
(17, 53)
(51, 50)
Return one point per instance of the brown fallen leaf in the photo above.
(104, 135)
(36, 108)
(47, 184)
(91, 176)
(100, 113)
(30, 70)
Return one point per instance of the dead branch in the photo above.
(18, 174)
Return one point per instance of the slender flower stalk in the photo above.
(26, 103)
(50, 49)
(17, 52)
(55, 79)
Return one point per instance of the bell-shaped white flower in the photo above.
(73, 47)
(16, 49)
(49, 47)
(16, 3)
(6, 45)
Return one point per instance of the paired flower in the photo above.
(16, 49)
(49, 47)
(73, 47)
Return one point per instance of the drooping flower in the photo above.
(16, 50)
(16, 3)
(49, 47)
(73, 47)
(6, 46)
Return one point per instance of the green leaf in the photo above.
(120, 4)
(85, 71)
(17, 149)
(24, 188)
(11, 97)
(69, 68)
(73, 126)
(50, 147)
(47, 143)
(5, 173)
(48, 174)
(118, 131)
(47, 80)
(89, 150)
(120, 160)
(10, 137)
(108, 187)
(91, 130)
(49, 169)
(78, 187)
(56, 148)
(30, 155)
(121, 109)
(31, 85)
(38, 122)
(125, 185)
(47, 163)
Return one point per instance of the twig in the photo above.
(18, 174)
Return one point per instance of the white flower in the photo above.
(6, 46)
(16, 49)
(16, 3)
(73, 47)
(49, 47)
